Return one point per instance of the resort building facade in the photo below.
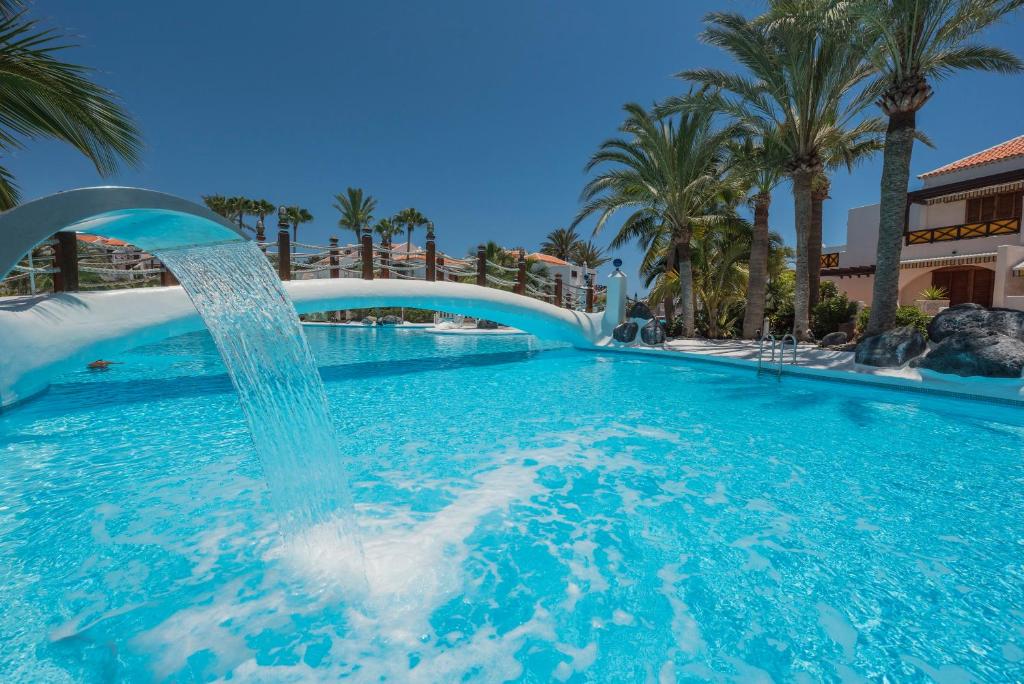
(962, 234)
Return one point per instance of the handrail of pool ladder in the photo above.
(760, 350)
(782, 351)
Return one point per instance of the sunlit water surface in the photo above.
(527, 514)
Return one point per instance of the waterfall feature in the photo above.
(260, 339)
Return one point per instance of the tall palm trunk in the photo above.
(802, 210)
(899, 145)
(670, 306)
(757, 281)
(814, 238)
(685, 267)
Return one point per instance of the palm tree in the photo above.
(820, 187)
(261, 208)
(561, 242)
(590, 254)
(218, 204)
(761, 165)
(410, 218)
(805, 66)
(720, 265)
(356, 210)
(43, 97)
(917, 41)
(297, 215)
(668, 172)
(238, 208)
(387, 229)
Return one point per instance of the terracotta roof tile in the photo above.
(547, 259)
(1007, 150)
(89, 238)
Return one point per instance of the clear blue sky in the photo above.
(479, 113)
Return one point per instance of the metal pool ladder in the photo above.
(772, 349)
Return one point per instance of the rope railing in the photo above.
(506, 269)
(103, 265)
(500, 281)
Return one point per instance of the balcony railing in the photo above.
(830, 260)
(964, 231)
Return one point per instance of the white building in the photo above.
(962, 234)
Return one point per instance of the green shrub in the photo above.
(905, 315)
(831, 312)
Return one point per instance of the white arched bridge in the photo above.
(42, 336)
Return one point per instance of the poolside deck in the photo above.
(826, 364)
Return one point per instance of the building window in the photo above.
(574, 274)
(994, 207)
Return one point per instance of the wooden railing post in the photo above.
(481, 266)
(559, 300)
(431, 256)
(284, 245)
(521, 274)
(385, 260)
(590, 297)
(367, 254)
(167, 278)
(65, 258)
(335, 258)
(261, 236)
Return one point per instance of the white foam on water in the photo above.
(414, 565)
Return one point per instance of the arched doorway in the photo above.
(965, 284)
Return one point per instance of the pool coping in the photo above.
(840, 376)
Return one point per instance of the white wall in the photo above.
(861, 237)
(46, 335)
(940, 215)
(975, 172)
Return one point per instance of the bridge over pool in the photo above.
(44, 335)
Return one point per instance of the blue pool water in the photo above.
(528, 513)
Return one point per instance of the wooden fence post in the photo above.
(590, 298)
(65, 258)
(559, 300)
(166, 277)
(481, 266)
(385, 260)
(284, 245)
(521, 274)
(431, 256)
(261, 236)
(367, 254)
(335, 258)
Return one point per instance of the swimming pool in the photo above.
(528, 512)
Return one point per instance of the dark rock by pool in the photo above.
(891, 349)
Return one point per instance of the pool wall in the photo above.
(44, 336)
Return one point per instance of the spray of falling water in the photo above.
(254, 325)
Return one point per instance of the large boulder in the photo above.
(653, 332)
(962, 317)
(833, 339)
(973, 352)
(484, 324)
(891, 349)
(640, 310)
(389, 320)
(625, 332)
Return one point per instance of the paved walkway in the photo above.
(838, 365)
